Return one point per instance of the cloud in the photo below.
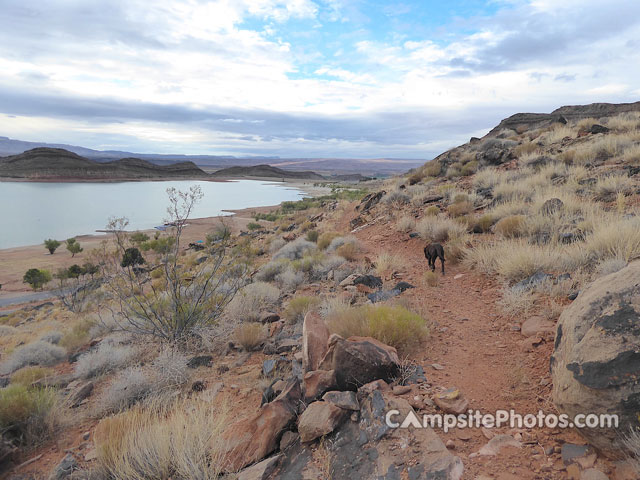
(301, 77)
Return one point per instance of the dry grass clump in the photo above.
(406, 224)
(460, 208)
(488, 178)
(625, 122)
(586, 123)
(526, 148)
(397, 199)
(485, 222)
(298, 308)
(289, 279)
(392, 325)
(619, 239)
(27, 375)
(249, 335)
(252, 300)
(28, 414)
(78, 335)
(606, 188)
(516, 301)
(511, 227)
(610, 265)
(431, 211)
(181, 441)
(438, 229)
(333, 306)
(557, 134)
(35, 353)
(386, 262)
(104, 359)
(631, 155)
(325, 239)
(431, 278)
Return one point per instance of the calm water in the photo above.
(31, 212)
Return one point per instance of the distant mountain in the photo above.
(60, 164)
(328, 166)
(266, 171)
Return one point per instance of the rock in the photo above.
(451, 401)
(414, 235)
(319, 419)
(200, 361)
(348, 281)
(533, 325)
(402, 286)
(65, 468)
(288, 439)
(318, 382)
(401, 389)
(593, 474)
(451, 445)
(370, 281)
(91, 455)
(573, 295)
(625, 470)
(497, 443)
(552, 206)
(596, 361)
(275, 328)
(359, 360)
(344, 400)
(437, 366)
(250, 440)
(431, 199)
(369, 201)
(533, 281)
(457, 276)
(270, 365)
(269, 317)
(416, 375)
(261, 470)
(286, 345)
(81, 392)
(315, 336)
(4, 381)
(570, 452)
(573, 472)
(595, 128)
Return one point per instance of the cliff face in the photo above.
(528, 121)
(53, 163)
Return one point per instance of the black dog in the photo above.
(433, 251)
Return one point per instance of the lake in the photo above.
(30, 212)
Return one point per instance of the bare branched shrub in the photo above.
(289, 279)
(35, 353)
(183, 300)
(516, 301)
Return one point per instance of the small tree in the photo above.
(139, 237)
(73, 246)
(51, 245)
(36, 278)
(184, 299)
(75, 285)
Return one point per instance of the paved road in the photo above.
(27, 297)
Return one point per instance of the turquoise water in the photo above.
(31, 212)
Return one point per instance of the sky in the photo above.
(304, 78)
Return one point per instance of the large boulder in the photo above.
(319, 419)
(250, 440)
(315, 336)
(359, 360)
(596, 362)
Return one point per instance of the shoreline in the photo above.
(17, 260)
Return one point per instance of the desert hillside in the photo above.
(277, 351)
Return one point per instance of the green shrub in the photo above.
(432, 211)
(460, 208)
(392, 325)
(485, 222)
(326, 238)
(511, 227)
(36, 278)
(298, 308)
(27, 375)
(254, 226)
(312, 236)
(26, 413)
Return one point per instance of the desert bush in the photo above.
(392, 325)
(249, 335)
(460, 208)
(126, 388)
(27, 375)
(269, 271)
(431, 278)
(35, 353)
(396, 199)
(254, 226)
(454, 250)
(320, 270)
(289, 279)
(326, 238)
(78, 335)
(485, 222)
(312, 236)
(252, 300)
(516, 301)
(181, 441)
(437, 229)
(27, 414)
(511, 227)
(349, 251)
(6, 330)
(406, 224)
(52, 337)
(276, 244)
(333, 306)
(295, 250)
(104, 359)
(298, 308)
(431, 211)
(170, 368)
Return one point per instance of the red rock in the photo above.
(320, 418)
(315, 336)
(318, 382)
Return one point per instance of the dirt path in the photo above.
(482, 355)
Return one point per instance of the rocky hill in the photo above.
(266, 171)
(54, 163)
